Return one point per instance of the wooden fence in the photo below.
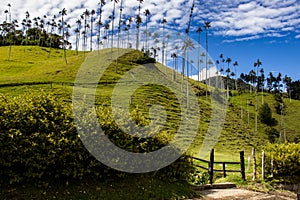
(211, 162)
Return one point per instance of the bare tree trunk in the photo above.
(254, 164)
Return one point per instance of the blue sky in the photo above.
(241, 29)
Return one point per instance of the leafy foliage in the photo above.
(286, 161)
(272, 134)
(265, 114)
(39, 142)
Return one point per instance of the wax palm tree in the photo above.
(42, 35)
(10, 29)
(203, 58)
(63, 13)
(119, 33)
(223, 61)
(262, 80)
(176, 48)
(217, 65)
(209, 77)
(120, 21)
(163, 22)
(27, 23)
(6, 13)
(113, 25)
(155, 37)
(174, 56)
(235, 64)
(228, 61)
(53, 27)
(206, 27)
(257, 64)
(188, 45)
(77, 32)
(199, 30)
(138, 22)
(166, 47)
(130, 20)
(9, 14)
(93, 12)
(106, 29)
(85, 16)
(147, 14)
(186, 42)
(99, 22)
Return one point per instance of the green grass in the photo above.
(33, 66)
(33, 70)
(131, 187)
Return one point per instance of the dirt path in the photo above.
(241, 194)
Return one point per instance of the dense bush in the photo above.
(39, 142)
(265, 114)
(272, 134)
(285, 159)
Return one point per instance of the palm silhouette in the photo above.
(199, 30)
(99, 23)
(164, 21)
(138, 22)
(112, 26)
(188, 45)
(235, 64)
(93, 12)
(228, 61)
(257, 64)
(63, 13)
(147, 14)
(206, 27)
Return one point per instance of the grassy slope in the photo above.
(33, 65)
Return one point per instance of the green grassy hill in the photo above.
(30, 68)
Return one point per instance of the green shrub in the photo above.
(39, 142)
(265, 115)
(286, 161)
(272, 134)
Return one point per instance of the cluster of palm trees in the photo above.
(43, 31)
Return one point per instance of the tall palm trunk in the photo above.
(92, 23)
(112, 31)
(198, 63)
(119, 32)
(207, 26)
(138, 25)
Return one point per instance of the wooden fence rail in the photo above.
(210, 166)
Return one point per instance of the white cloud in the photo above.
(211, 72)
(242, 19)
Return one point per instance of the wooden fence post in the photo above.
(224, 169)
(242, 160)
(263, 165)
(211, 167)
(254, 164)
